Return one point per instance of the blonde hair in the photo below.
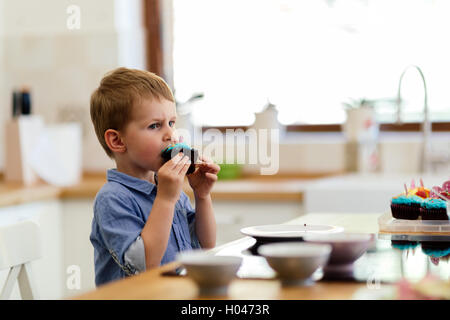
(121, 89)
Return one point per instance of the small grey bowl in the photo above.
(211, 273)
(295, 262)
(346, 249)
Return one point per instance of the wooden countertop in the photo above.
(15, 194)
(153, 284)
(286, 187)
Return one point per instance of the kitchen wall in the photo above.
(63, 66)
(326, 153)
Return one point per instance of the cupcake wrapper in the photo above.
(434, 214)
(408, 212)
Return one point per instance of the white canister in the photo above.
(361, 124)
(57, 156)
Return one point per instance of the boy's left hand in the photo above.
(204, 177)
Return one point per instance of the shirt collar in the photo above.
(129, 181)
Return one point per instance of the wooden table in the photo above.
(153, 285)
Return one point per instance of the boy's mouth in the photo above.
(173, 149)
(165, 148)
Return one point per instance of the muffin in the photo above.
(406, 207)
(172, 150)
(434, 209)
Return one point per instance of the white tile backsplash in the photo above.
(64, 67)
(400, 156)
(102, 50)
(29, 53)
(70, 50)
(50, 16)
(325, 153)
(94, 157)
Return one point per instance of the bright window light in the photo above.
(308, 57)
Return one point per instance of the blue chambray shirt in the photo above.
(121, 209)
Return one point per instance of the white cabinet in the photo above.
(78, 255)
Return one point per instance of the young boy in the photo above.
(141, 222)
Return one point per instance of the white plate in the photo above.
(289, 230)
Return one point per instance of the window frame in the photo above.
(153, 21)
(384, 127)
(153, 38)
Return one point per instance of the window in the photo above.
(308, 57)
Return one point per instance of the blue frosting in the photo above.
(182, 145)
(416, 199)
(434, 204)
(402, 199)
(407, 200)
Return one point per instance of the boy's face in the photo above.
(151, 129)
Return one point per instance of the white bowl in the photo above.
(295, 262)
(346, 249)
(211, 273)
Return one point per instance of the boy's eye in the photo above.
(157, 125)
(153, 126)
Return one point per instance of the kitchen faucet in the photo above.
(424, 164)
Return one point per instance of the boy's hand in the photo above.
(204, 177)
(171, 177)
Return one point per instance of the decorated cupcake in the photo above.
(173, 149)
(406, 207)
(434, 209)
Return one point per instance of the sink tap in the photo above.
(424, 165)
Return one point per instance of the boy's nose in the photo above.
(171, 135)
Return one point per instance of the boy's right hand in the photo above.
(171, 177)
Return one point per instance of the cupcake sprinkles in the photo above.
(422, 203)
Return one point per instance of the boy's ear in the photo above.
(114, 141)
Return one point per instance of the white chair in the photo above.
(20, 244)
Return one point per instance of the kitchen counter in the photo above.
(260, 188)
(15, 194)
(361, 192)
(154, 284)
